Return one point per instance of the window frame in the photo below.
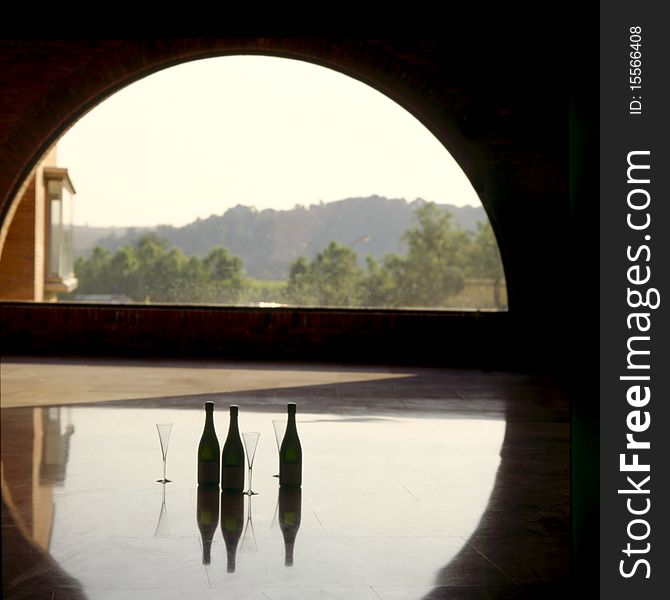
(59, 281)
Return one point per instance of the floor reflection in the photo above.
(28, 572)
(289, 508)
(163, 524)
(207, 517)
(35, 449)
(38, 442)
(232, 524)
(449, 484)
(249, 543)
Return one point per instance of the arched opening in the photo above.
(504, 183)
(518, 171)
(206, 182)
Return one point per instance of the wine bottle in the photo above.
(290, 504)
(290, 454)
(232, 522)
(232, 457)
(207, 515)
(209, 466)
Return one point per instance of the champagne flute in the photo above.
(279, 425)
(250, 443)
(164, 430)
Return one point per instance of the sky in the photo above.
(196, 139)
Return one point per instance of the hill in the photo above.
(269, 240)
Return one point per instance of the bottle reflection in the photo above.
(289, 509)
(207, 515)
(232, 523)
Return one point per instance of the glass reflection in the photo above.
(163, 525)
(249, 536)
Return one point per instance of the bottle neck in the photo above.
(290, 425)
(230, 566)
(288, 556)
(233, 427)
(206, 551)
(209, 419)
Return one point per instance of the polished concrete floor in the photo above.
(417, 483)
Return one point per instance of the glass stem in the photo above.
(164, 477)
(250, 490)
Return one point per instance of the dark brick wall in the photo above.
(19, 261)
(466, 339)
(500, 108)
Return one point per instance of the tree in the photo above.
(123, 272)
(149, 271)
(224, 278)
(484, 259)
(151, 278)
(223, 267)
(336, 276)
(379, 286)
(333, 278)
(91, 272)
(434, 266)
(299, 289)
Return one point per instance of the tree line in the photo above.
(439, 257)
(268, 240)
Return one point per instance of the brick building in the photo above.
(36, 257)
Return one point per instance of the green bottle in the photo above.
(208, 451)
(232, 458)
(290, 454)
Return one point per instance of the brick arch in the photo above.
(90, 73)
(507, 131)
(507, 97)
